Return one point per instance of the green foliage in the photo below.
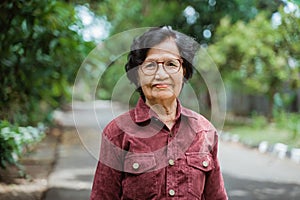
(259, 57)
(143, 13)
(289, 122)
(297, 1)
(191, 17)
(271, 133)
(15, 140)
(39, 56)
(110, 78)
(258, 121)
(283, 100)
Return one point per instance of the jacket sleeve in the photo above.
(214, 186)
(107, 184)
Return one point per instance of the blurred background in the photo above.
(254, 43)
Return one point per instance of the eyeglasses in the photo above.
(171, 66)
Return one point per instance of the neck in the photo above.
(166, 109)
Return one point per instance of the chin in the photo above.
(164, 96)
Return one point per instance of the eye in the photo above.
(149, 65)
(172, 63)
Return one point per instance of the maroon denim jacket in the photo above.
(141, 158)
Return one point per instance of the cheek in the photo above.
(178, 86)
(179, 83)
(144, 82)
(180, 78)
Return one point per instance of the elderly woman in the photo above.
(159, 149)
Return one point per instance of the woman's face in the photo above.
(162, 85)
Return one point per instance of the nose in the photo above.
(161, 72)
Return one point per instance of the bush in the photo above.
(258, 121)
(15, 141)
(289, 122)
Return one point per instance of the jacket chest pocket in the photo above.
(199, 165)
(140, 179)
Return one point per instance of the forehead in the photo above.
(166, 48)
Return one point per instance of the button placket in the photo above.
(170, 170)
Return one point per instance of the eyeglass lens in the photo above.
(170, 66)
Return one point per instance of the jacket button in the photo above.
(171, 192)
(171, 162)
(205, 163)
(135, 166)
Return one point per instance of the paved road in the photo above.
(248, 174)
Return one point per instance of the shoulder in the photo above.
(204, 130)
(197, 121)
(119, 125)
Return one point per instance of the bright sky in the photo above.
(94, 28)
(290, 7)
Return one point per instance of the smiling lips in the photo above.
(161, 85)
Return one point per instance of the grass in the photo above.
(269, 133)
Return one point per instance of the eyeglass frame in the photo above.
(163, 65)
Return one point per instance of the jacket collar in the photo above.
(143, 112)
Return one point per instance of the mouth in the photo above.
(161, 85)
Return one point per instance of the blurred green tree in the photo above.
(39, 56)
(197, 18)
(261, 56)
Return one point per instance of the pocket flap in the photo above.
(137, 163)
(200, 161)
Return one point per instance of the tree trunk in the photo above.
(271, 94)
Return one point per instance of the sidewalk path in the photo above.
(78, 151)
(248, 174)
